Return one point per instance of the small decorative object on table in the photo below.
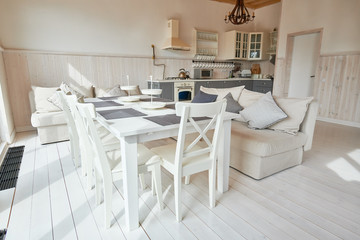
(151, 92)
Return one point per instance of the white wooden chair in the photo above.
(73, 133)
(108, 167)
(109, 142)
(186, 158)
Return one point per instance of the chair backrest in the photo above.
(86, 112)
(189, 111)
(68, 116)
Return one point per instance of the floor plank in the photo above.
(319, 199)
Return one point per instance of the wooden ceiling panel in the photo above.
(254, 4)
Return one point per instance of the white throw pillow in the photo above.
(86, 90)
(296, 109)
(247, 98)
(115, 91)
(263, 113)
(222, 92)
(42, 95)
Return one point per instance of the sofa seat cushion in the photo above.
(264, 142)
(48, 119)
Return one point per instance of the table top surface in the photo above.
(131, 126)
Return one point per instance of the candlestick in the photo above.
(128, 80)
(151, 86)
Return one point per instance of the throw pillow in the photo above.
(42, 95)
(86, 89)
(135, 92)
(247, 98)
(263, 113)
(296, 109)
(232, 105)
(202, 97)
(222, 92)
(115, 91)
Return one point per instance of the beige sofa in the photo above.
(51, 123)
(260, 153)
(51, 126)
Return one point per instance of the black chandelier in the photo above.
(239, 15)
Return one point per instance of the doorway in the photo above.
(303, 51)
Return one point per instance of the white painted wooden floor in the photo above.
(318, 200)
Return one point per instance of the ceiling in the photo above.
(254, 4)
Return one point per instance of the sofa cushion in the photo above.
(42, 95)
(296, 109)
(48, 119)
(110, 92)
(264, 113)
(248, 98)
(231, 104)
(202, 97)
(264, 142)
(222, 92)
(85, 89)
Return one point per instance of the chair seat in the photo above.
(190, 165)
(145, 157)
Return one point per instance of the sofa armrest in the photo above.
(308, 125)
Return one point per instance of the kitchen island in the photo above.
(170, 88)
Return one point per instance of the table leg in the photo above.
(130, 169)
(224, 158)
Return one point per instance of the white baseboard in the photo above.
(25, 129)
(342, 122)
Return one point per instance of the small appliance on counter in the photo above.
(203, 73)
(246, 73)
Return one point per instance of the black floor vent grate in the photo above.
(10, 167)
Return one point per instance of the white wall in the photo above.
(6, 117)
(339, 18)
(125, 27)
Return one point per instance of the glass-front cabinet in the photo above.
(245, 46)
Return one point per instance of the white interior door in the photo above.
(303, 65)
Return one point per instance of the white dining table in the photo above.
(133, 130)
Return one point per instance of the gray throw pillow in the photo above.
(263, 113)
(202, 97)
(232, 105)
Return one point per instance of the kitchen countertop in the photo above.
(209, 79)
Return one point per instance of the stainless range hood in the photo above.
(173, 42)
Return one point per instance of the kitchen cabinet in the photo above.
(167, 89)
(206, 44)
(246, 45)
(262, 86)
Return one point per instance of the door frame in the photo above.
(289, 54)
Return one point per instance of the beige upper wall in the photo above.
(339, 18)
(125, 27)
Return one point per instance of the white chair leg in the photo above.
(153, 190)
(107, 202)
(77, 155)
(156, 176)
(142, 181)
(212, 187)
(177, 191)
(83, 162)
(97, 189)
(187, 180)
(89, 171)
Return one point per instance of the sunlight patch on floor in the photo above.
(344, 169)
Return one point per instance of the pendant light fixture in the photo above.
(239, 15)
